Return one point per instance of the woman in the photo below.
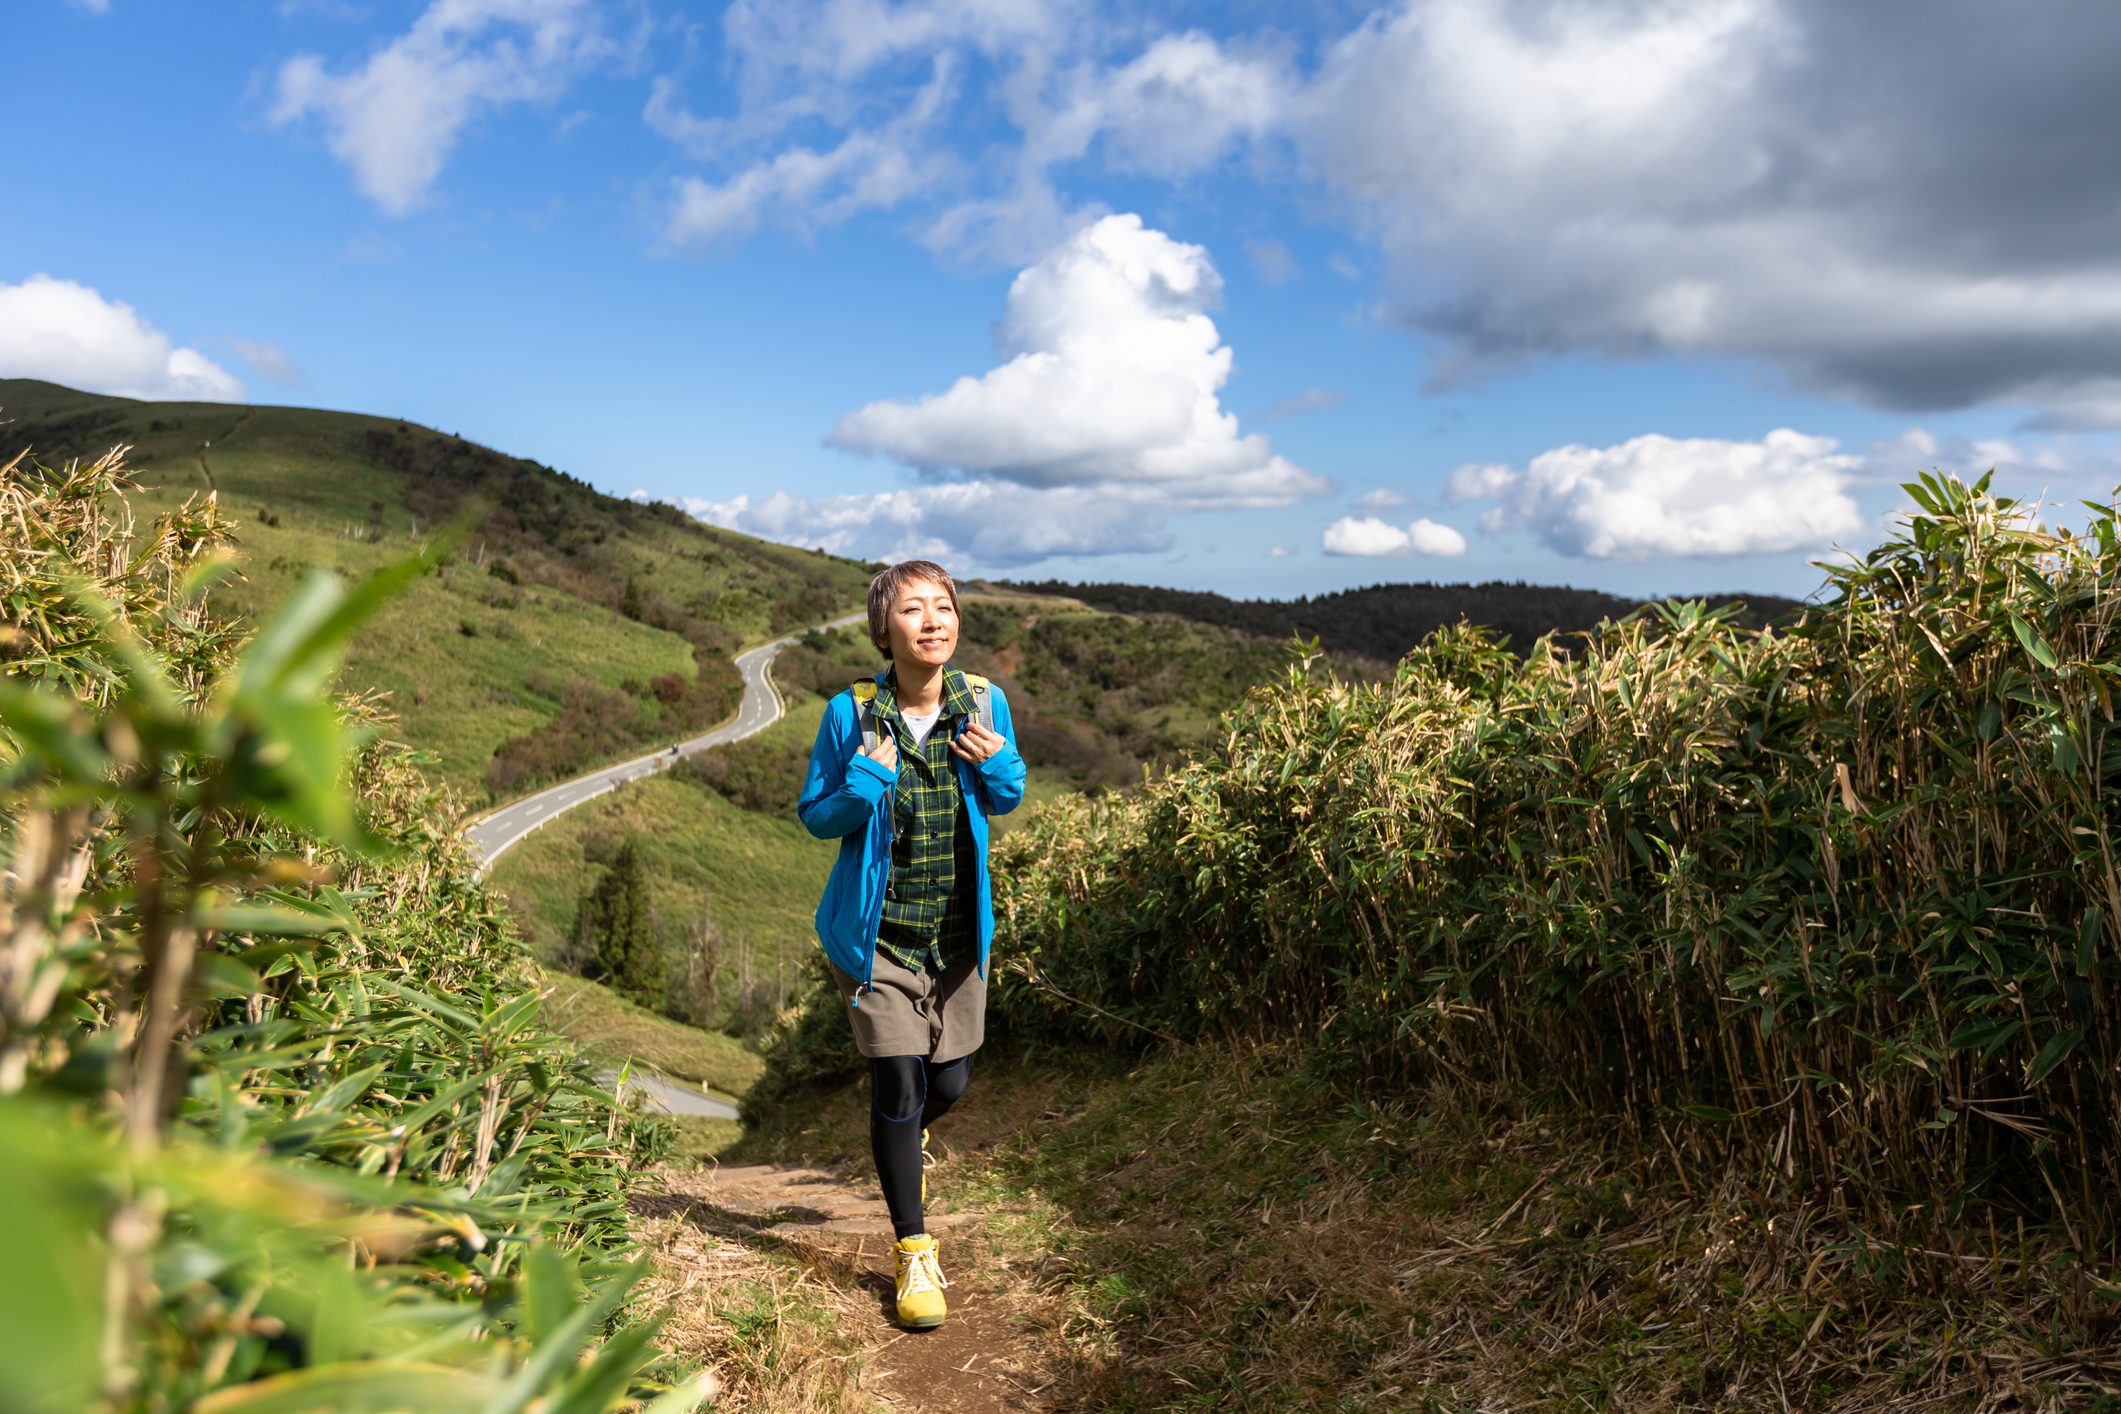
(906, 920)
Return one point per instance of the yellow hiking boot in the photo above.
(920, 1284)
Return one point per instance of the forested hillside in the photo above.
(1101, 697)
(575, 627)
(1383, 621)
(1097, 697)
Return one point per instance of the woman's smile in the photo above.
(923, 623)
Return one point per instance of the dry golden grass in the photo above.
(777, 1337)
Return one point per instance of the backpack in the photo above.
(865, 706)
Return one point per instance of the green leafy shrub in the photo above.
(758, 773)
(282, 1128)
(596, 723)
(825, 663)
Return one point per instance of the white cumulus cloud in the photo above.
(67, 333)
(1653, 496)
(1181, 105)
(1113, 377)
(395, 118)
(1370, 537)
(1103, 421)
(1800, 184)
(987, 523)
(1068, 82)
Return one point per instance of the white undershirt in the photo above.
(922, 723)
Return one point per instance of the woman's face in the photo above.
(922, 624)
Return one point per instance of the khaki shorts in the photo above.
(905, 1013)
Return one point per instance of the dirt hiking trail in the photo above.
(714, 1227)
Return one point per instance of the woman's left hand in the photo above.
(976, 743)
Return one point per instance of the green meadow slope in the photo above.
(573, 628)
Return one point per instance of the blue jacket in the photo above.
(847, 797)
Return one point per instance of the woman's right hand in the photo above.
(885, 752)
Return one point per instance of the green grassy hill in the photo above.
(573, 627)
(732, 890)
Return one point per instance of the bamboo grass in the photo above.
(283, 1129)
(1835, 901)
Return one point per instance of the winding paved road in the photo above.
(492, 835)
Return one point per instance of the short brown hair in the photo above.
(885, 587)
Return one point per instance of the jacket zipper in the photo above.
(890, 835)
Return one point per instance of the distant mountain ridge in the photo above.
(1383, 621)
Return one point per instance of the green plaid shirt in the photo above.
(927, 916)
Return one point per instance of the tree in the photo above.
(694, 995)
(614, 925)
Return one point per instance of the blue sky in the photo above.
(1269, 299)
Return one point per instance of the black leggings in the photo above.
(903, 1090)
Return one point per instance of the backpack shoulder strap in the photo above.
(864, 692)
(982, 700)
